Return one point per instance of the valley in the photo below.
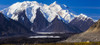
(38, 38)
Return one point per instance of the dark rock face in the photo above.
(59, 26)
(82, 25)
(10, 27)
(23, 19)
(40, 23)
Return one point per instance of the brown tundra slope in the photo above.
(92, 34)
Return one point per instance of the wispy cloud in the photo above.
(95, 16)
(87, 7)
(3, 6)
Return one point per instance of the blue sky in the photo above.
(89, 7)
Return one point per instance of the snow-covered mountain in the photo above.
(82, 22)
(27, 13)
(49, 11)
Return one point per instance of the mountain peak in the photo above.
(82, 15)
(54, 2)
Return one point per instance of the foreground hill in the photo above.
(92, 34)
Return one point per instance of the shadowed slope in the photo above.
(58, 25)
(40, 22)
(10, 27)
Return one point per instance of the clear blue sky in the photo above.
(89, 7)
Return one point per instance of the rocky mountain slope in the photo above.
(22, 18)
(92, 34)
(9, 27)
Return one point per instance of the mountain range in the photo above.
(31, 16)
